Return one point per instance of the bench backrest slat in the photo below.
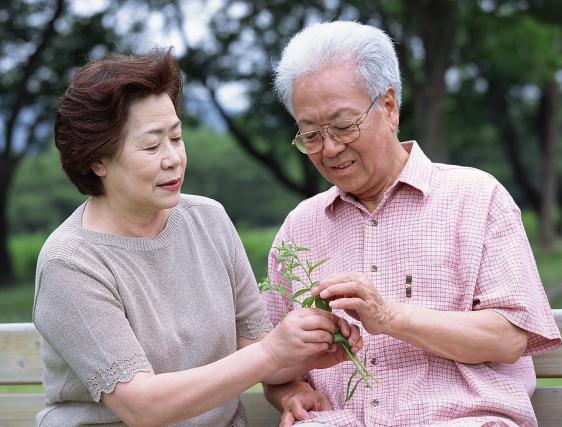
(20, 354)
(19, 409)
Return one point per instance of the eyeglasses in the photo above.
(344, 132)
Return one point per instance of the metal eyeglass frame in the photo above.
(327, 129)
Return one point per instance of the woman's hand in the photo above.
(301, 335)
(336, 354)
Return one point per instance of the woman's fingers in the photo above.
(355, 339)
(344, 327)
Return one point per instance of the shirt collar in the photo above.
(415, 173)
(417, 170)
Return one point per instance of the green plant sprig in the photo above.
(290, 262)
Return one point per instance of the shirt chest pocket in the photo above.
(435, 287)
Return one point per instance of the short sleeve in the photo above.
(277, 305)
(251, 315)
(78, 312)
(508, 281)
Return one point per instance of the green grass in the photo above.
(550, 265)
(16, 304)
(23, 389)
(24, 249)
(549, 382)
(257, 243)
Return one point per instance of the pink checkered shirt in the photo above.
(458, 233)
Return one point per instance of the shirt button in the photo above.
(374, 222)
(374, 361)
(374, 268)
(375, 402)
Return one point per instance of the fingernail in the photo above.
(324, 294)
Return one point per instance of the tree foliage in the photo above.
(42, 43)
(481, 84)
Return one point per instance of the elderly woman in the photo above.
(145, 299)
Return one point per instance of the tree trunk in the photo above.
(548, 125)
(6, 270)
(435, 24)
(429, 122)
(500, 116)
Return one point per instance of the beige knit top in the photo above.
(109, 306)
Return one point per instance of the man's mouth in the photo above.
(344, 165)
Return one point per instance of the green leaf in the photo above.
(321, 304)
(298, 294)
(349, 393)
(282, 291)
(318, 264)
(307, 302)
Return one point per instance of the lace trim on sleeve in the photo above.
(253, 328)
(120, 371)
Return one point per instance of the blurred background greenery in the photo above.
(482, 85)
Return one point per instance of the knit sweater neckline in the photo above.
(162, 240)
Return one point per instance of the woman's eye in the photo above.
(152, 147)
(177, 140)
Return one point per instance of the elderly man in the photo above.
(431, 259)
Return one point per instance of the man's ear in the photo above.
(389, 105)
(99, 167)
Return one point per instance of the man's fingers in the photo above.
(299, 413)
(345, 289)
(333, 279)
(349, 305)
(287, 419)
(324, 404)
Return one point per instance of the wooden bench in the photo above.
(20, 363)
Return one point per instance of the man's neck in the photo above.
(373, 199)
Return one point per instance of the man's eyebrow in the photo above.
(160, 131)
(333, 116)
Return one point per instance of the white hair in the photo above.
(320, 44)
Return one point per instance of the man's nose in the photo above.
(330, 146)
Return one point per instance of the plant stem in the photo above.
(290, 260)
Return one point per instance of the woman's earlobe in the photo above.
(98, 167)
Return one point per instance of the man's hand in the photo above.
(464, 336)
(294, 399)
(296, 408)
(358, 296)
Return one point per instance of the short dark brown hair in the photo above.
(93, 111)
